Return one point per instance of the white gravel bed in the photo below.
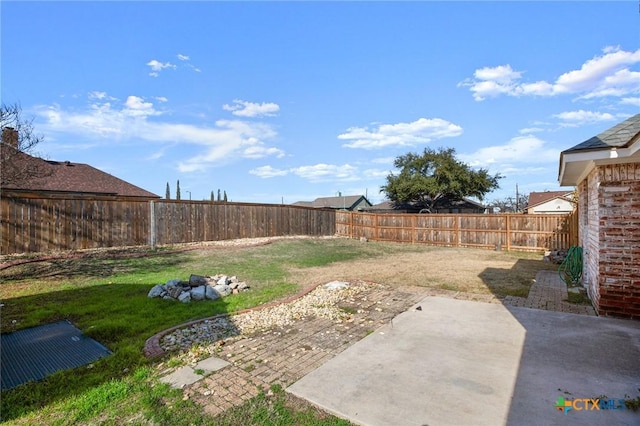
(321, 302)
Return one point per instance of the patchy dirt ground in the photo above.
(467, 270)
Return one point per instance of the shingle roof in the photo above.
(536, 198)
(337, 202)
(618, 136)
(71, 177)
(346, 201)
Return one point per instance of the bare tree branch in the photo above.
(19, 140)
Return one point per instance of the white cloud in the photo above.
(186, 59)
(582, 117)
(417, 132)
(327, 172)
(258, 151)
(156, 155)
(606, 75)
(225, 141)
(157, 66)
(529, 130)
(631, 101)
(267, 172)
(501, 74)
(322, 172)
(100, 96)
(250, 109)
(137, 107)
(519, 150)
(375, 173)
(492, 81)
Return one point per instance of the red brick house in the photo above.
(23, 174)
(606, 171)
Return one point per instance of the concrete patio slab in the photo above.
(456, 362)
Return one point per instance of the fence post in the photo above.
(350, 224)
(152, 225)
(508, 218)
(414, 230)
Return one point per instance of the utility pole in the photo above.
(517, 199)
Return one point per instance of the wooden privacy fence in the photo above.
(36, 224)
(491, 231)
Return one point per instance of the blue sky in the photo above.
(290, 101)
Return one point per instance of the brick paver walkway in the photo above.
(284, 355)
(549, 292)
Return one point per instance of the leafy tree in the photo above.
(219, 195)
(212, 199)
(178, 190)
(425, 179)
(167, 193)
(225, 196)
(19, 138)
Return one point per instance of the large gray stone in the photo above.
(336, 285)
(223, 280)
(172, 283)
(197, 280)
(211, 293)
(156, 291)
(223, 289)
(185, 297)
(198, 293)
(174, 292)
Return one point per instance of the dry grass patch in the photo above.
(460, 269)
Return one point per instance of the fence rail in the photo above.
(30, 224)
(491, 231)
(36, 224)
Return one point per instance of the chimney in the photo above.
(10, 136)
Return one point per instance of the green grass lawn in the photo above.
(106, 297)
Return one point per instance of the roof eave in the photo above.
(576, 165)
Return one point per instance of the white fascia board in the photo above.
(575, 166)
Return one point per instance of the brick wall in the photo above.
(589, 225)
(618, 231)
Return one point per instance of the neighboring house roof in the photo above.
(385, 205)
(538, 198)
(68, 177)
(303, 203)
(347, 202)
(619, 144)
